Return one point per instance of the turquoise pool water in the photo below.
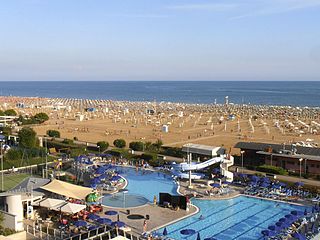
(241, 218)
(143, 185)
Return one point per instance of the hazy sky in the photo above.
(160, 40)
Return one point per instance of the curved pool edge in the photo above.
(177, 220)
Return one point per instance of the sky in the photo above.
(160, 40)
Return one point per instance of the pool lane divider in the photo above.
(230, 227)
(216, 211)
(257, 225)
(221, 220)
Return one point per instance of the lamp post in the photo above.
(98, 148)
(300, 161)
(1, 154)
(271, 158)
(2, 183)
(242, 152)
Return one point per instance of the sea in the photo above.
(285, 93)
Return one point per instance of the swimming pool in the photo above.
(142, 186)
(241, 218)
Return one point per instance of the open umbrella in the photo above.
(104, 221)
(210, 238)
(187, 232)
(115, 178)
(165, 232)
(217, 185)
(92, 216)
(93, 227)
(299, 184)
(80, 223)
(111, 213)
(198, 236)
(226, 182)
(118, 223)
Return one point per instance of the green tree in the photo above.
(10, 112)
(103, 145)
(136, 146)
(119, 143)
(41, 117)
(53, 133)
(1, 113)
(27, 137)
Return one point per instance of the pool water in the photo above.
(142, 186)
(240, 218)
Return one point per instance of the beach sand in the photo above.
(216, 125)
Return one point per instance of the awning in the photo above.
(67, 189)
(49, 202)
(69, 207)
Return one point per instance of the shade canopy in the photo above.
(70, 208)
(67, 189)
(49, 202)
(80, 223)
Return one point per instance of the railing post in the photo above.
(40, 227)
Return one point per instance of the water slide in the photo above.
(182, 170)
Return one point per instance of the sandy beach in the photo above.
(217, 125)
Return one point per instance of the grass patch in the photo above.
(13, 180)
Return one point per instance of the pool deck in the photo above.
(159, 216)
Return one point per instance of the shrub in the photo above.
(149, 156)
(103, 145)
(136, 146)
(40, 117)
(53, 133)
(272, 169)
(67, 141)
(172, 151)
(119, 143)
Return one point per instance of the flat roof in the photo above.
(295, 156)
(202, 149)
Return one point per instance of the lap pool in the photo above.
(142, 186)
(240, 218)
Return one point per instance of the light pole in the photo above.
(242, 152)
(1, 142)
(300, 161)
(2, 184)
(271, 159)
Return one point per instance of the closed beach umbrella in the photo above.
(111, 213)
(104, 221)
(165, 232)
(198, 236)
(305, 212)
(187, 232)
(80, 223)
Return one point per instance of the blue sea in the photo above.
(301, 93)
